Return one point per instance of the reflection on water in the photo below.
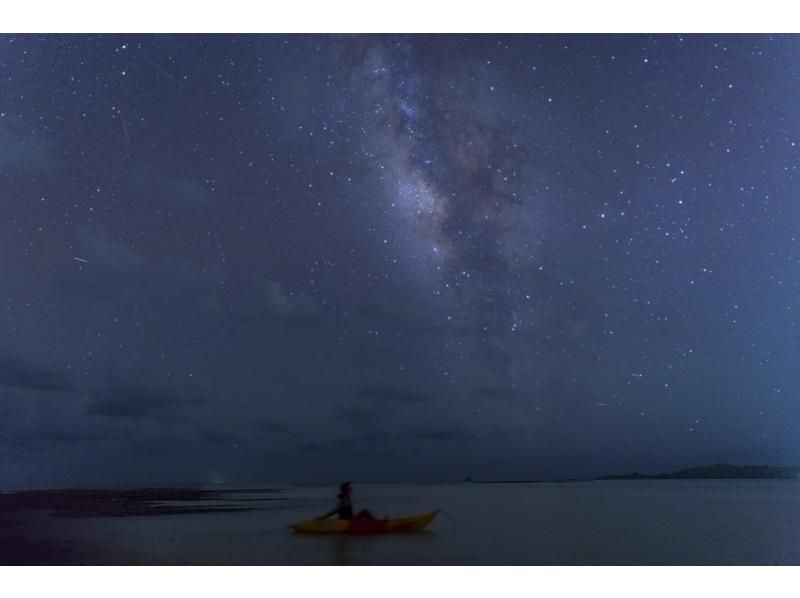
(640, 522)
(343, 549)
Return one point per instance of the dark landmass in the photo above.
(122, 503)
(720, 471)
(18, 546)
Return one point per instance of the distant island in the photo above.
(719, 471)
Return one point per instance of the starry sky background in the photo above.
(261, 258)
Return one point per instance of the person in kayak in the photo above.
(344, 509)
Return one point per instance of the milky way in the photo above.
(247, 258)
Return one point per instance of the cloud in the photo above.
(107, 254)
(445, 435)
(358, 416)
(119, 399)
(24, 153)
(111, 269)
(108, 270)
(328, 448)
(391, 394)
(369, 441)
(18, 373)
(372, 417)
(286, 305)
(81, 435)
(273, 427)
(400, 311)
(478, 315)
(185, 189)
(216, 436)
(393, 308)
(149, 180)
(273, 303)
(377, 417)
(364, 443)
(498, 393)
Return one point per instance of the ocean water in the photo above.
(585, 523)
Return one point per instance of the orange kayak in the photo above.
(414, 523)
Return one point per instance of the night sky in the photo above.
(305, 258)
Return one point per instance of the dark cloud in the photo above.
(362, 443)
(391, 394)
(323, 449)
(369, 428)
(81, 435)
(364, 439)
(446, 435)
(216, 436)
(123, 399)
(374, 438)
(498, 393)
(24, 152)
(23, 374)
(273, 428)
(357, 416)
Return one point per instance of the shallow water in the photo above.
(591, 523)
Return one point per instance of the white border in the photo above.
(386, 16)
(406, 16)
(394, 582)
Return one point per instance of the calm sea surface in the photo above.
(592, 523)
